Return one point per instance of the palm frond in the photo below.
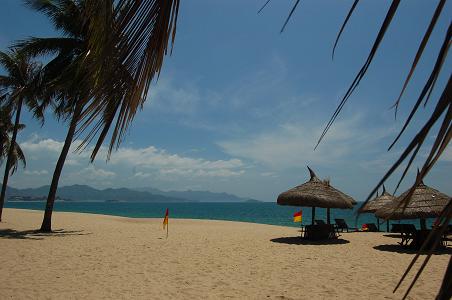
(64, 14)
(8, 62)
(442, 139)
(435, 236)
(350, 12)
(386, 22)
(420, 50)
(42, 46)
(429, 83)
(290, 15)
(263, 6)
(20, 156)
(142, 33)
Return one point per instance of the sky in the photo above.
(239, 106)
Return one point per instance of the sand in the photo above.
(106, 257)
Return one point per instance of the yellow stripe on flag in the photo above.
(165, 220)
(297, 217)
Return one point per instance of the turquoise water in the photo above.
(264, 213)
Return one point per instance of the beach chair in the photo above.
(408, 234)
(396, 228)
(447, 236)
(319, 222)
(320, 232)
(342, 225)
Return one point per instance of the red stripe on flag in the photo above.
(297, 214)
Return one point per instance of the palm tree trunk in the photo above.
(9, 159)
(47, 221)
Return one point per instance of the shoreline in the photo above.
(153, 219)
(103, 257)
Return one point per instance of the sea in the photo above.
(253, 212)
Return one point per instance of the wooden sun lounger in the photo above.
(320, 232)
(342, 225)
(408, 234)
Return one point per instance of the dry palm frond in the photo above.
(290, 15)
(263, 6)
(435, 235)
(443, 135)
(350, 12)
(386, 22)
(128, 41)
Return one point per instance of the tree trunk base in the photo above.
(45, 230)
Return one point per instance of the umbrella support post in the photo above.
(387, 225)
(313, 215)
(378, 224)
(423, 224)
(328, 220)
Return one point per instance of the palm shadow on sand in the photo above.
(296, 240)
(406, 250)
(393, 235)
(37, 235)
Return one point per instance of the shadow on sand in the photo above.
(393, 235)
(406, 250)
(296, 240)
(36, 234)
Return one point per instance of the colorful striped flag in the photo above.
(297, 217)
(165, 220)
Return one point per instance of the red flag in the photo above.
(297, 217)
(165, 220)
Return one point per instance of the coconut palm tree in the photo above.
(103, 67)
(6, 129)
(17, 87)
(66, 81)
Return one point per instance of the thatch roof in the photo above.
(377, 203)
(426, 202)
(315, 193)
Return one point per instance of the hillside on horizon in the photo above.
(87, 193)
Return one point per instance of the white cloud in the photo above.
(45, 145)
(36, 172)
(127, 167)
(292, 145)
(92, 172)
(168, 98)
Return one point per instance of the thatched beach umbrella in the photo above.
(426, 202)
(378, 202)
(316, 193)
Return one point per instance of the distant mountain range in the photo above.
(198, 196)
(87, 193)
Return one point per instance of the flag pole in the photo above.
(167, 226)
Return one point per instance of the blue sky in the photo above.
(239, 107)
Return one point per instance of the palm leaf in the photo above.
(420, 50)
(443, 136)
(42, 46)
(263, 6)
(350, 12)
(290, 15)
(64, 14)
(386, 22)
(137, 41)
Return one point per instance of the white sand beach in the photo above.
(106, 257)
